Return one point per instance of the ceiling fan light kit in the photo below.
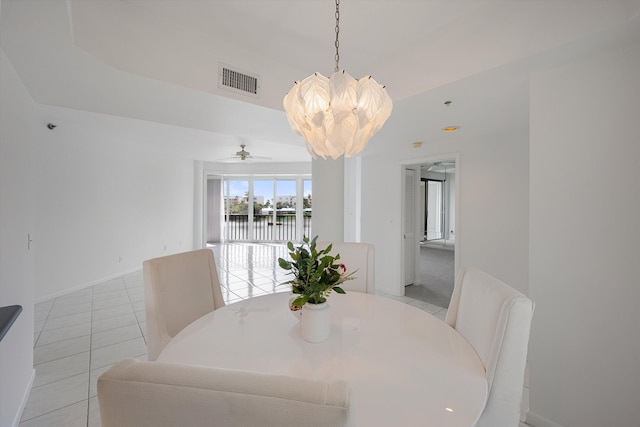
(336, 115)
(242, 154)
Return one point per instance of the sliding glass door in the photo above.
(264, 208)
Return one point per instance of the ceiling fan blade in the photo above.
(233, 159)
(242, 156)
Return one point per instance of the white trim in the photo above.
(536, 420)
(86, 285)
(25, 399)
(199, 205)
(403, 240)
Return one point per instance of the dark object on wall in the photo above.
(51, 126)
(8, 315)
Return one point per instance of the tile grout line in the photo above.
(54, 410)
(34, 346)
(61, 357)
(44, 324)
(144, 337)
(90, 353)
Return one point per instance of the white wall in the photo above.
(493, 211)
(585, 202)
(328, 199)
(18, 131)
(111, 193)
(492, 232)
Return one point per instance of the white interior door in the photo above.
(409, 226)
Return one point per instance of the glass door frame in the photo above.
(441, 211)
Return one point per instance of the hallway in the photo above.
(435, 283)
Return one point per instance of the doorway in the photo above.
(439, 203)
(436, 223)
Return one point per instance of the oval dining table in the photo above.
(405, 367)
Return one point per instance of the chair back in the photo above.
(138, 394)
(355, 256)
(178, 289)
(496, 320)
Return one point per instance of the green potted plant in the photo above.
(316, 273)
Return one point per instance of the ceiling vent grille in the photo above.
(238, 81)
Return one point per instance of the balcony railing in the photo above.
(265, 229)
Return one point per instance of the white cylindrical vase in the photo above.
(315, 323)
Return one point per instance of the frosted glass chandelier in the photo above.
(336, 115)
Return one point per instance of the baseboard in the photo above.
(535, 420)
(25, 399)
(85, 285)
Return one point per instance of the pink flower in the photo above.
(342, 270)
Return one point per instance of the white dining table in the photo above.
(405, 367)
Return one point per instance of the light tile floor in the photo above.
(80, 335)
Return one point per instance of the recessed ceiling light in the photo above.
(451, 128)
(448, 409)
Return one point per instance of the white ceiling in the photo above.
(158, 60)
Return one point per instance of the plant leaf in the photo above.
(284, 264)
(300, 301)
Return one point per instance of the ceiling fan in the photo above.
(244, 155)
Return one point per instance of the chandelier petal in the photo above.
(314, 96)
(373, 102)
(344, 92)
(295, 115)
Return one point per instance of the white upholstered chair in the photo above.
(355, 256)
(178, 289)
(496, 320)
(156, 394)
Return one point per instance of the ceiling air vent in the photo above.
(238, 81)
